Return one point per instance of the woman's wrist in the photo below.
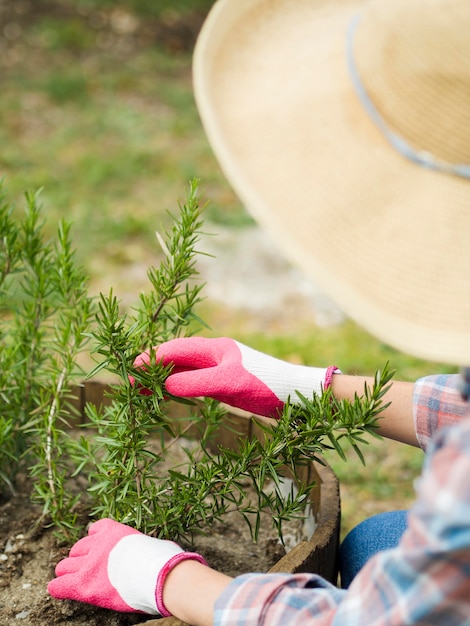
(190, 592)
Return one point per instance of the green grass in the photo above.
(112, 137)
(385, 483)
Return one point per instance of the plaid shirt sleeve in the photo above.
(424, 581)
(436, 403)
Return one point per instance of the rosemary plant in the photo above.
(124, 455)
(44, 311)
(126, 477)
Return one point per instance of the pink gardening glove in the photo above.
(230, 372)
(117, 567)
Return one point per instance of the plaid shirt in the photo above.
(425, 581)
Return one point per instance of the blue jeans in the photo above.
(380, 532)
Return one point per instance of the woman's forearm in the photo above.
(396, 421)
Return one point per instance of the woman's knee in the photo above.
(377, 533)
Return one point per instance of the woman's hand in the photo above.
(231, 372)
(117, 567)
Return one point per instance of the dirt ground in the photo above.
(29, 553)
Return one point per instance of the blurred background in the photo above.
(96, 109)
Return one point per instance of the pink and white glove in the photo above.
(117, 567)
(235, 374)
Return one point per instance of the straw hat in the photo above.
(348, 139)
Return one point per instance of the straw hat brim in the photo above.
(376, 232)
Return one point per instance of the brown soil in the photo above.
(29, 553)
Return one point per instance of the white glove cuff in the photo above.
(284, 378)
(137, 568)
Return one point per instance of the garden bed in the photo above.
(29, 552)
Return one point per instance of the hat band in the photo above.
(423, 158)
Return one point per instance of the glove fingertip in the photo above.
(182, 385)
(54, 588)
(64, 567)
(174, 388)
(142, 360)
(98, 526)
